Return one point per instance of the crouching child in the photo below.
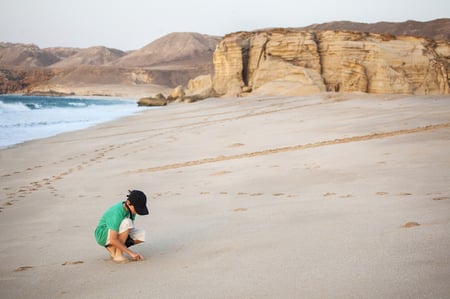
(116, 231)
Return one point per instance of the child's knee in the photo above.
(125, 225)
(138, 235)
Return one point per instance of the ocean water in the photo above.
(24, 118)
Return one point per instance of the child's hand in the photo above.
(137, 257)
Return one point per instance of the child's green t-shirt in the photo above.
(111, 219)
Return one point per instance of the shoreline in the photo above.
(323, 196)
(82, 126)
(75, 96)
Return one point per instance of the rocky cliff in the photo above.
(294, 61)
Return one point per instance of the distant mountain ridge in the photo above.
(25, 55)
(438, 29)
(90, 56)
(169, 61)
(174, 47)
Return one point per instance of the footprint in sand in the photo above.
(441, 198)
(329, 194)
(219, 173)
(23, 268)
(72, 263)
(410, 224)
(22, 190)
(236, 145)
(382, 193)
(256, 194)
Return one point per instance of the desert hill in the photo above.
(25, 55)
(91, 56)
(174, 48)
(169, 61)
(62, 52)
(180, 48)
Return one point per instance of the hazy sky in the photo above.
(132, 24)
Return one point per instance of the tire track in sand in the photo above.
(359, 138)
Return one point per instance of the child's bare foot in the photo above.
(120, 259)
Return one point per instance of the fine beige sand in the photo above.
(324, 196)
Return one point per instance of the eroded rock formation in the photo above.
(282, 61)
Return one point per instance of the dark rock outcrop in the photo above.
(157, 100)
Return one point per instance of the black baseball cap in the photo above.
(139, 201)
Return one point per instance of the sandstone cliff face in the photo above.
(303, 62)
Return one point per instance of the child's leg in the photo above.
(138, 235)
(112, 250)
(124, 230)
(118, 256)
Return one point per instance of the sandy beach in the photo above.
(323, 196)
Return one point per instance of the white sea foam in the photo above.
(13, 107)
(26, 118)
